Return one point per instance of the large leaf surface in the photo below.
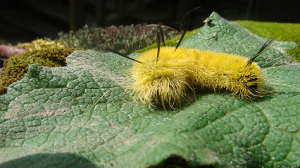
(48, 118)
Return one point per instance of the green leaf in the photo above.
(229, 37)
(48, 118)
(276, 31)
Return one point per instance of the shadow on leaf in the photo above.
(66, 160)
(176, 161)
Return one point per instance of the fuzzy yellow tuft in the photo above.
(231, 72)
(166, 79)
(163, 80)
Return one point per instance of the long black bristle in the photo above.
(123, 55)
(161, 34)
(181, 38)
(158, 43)
(186, 26)
(190, 12)
(266, 44)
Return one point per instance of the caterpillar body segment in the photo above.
(166, 80)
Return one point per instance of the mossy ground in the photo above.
(16, 67)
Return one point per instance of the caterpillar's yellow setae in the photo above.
(166, 79)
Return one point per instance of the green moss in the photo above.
(276, 31)
(16, 67)
(39, 44)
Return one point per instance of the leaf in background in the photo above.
(44, 118)
(229, 37)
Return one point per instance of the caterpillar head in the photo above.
(251, 78)
(249, 82)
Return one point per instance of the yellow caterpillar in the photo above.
(165, 75)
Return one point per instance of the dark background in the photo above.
(26, 20)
